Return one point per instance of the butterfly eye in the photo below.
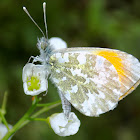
(42, 43)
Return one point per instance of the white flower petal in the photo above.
(3, 130)
(34, 79)
(57, 43)
(63, 126)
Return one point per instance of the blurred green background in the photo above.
(103, 23)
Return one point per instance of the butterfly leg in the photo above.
(35, 59)
(66, 106)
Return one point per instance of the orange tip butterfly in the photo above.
(93, 80)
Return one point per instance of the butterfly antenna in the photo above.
(26, 11)
(45, 21)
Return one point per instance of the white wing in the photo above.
(93, 80)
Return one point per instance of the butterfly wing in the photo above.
(93, 80)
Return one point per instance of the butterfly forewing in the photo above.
(127, 66)
(93, 80)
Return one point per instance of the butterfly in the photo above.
(92, 80)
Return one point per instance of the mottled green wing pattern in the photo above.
(91, 79)
(89, 82)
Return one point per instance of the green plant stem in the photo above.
(26, 118)
(44, 109)
(38, 119)
(23, 121)
(48, 104)
(4, 120)
(4, 102)
(3, 110)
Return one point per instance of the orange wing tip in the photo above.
(115, 60)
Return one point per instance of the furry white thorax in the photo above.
(47, 46)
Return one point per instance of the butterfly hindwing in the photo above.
(93, 80)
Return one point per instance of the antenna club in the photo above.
(45, 22)
(24, 8)
(26, 11)
(44, 4)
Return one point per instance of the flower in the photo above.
(64, 126)
(34, 79)
(57, 43)
(3, 130)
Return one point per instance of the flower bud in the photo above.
(57, 43)
(64, 126)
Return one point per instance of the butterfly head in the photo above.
(42, 43)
